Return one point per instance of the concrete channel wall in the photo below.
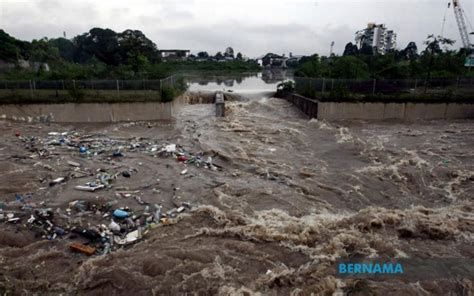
(307, 106)
(92, 112)
(380, 111)
(404, 111)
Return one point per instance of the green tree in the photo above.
(65, 47)
(219, 56)
(350, 49)
(366, 50)
(349, 67)
(229, 52)
(138, 62)
(432, 50)
(98, 42)
(313, 68)
(42, 51)
(448, 64)
(9, 50)
(410, 52)
(136, 48)
(385, 66)
(12, 49)
(203, 55)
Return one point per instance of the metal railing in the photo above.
(51, 89)
(91, 84)
(383, 86)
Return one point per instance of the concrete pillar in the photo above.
(220, 104)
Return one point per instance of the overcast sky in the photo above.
(253, 27)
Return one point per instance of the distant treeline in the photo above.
(363, 63)
(99, 53)
(106, 54)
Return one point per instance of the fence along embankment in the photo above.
(91, 100)
(378, 100)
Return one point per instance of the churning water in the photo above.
(293, 196)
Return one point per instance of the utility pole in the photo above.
(331, 49)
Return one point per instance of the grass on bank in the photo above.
(430, 96)
(51, 96)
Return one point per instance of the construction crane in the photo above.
(461, 22)
(459, 14)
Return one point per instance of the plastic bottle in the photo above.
(113, 226)
(158, 213)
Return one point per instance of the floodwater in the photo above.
(292, 196)
(245, 83)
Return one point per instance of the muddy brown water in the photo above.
(293, 196)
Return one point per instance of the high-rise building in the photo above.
(377, 37)
(390, 40)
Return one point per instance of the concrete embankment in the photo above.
(92, 112)
(378, 111)
(104, 112)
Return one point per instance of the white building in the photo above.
(377, 37)
(174, 54)
(390, 40)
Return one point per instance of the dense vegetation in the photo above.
(101, 54)
(432, 62)
(105, 54)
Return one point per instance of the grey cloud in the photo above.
(252, 40)
(149, 20)
(34, 20)
(48, 4)
(180, 15)
(118, 12)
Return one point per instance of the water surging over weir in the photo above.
(293, 197)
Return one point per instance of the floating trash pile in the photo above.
(95, 226)
(94, 145)
(124, 226)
